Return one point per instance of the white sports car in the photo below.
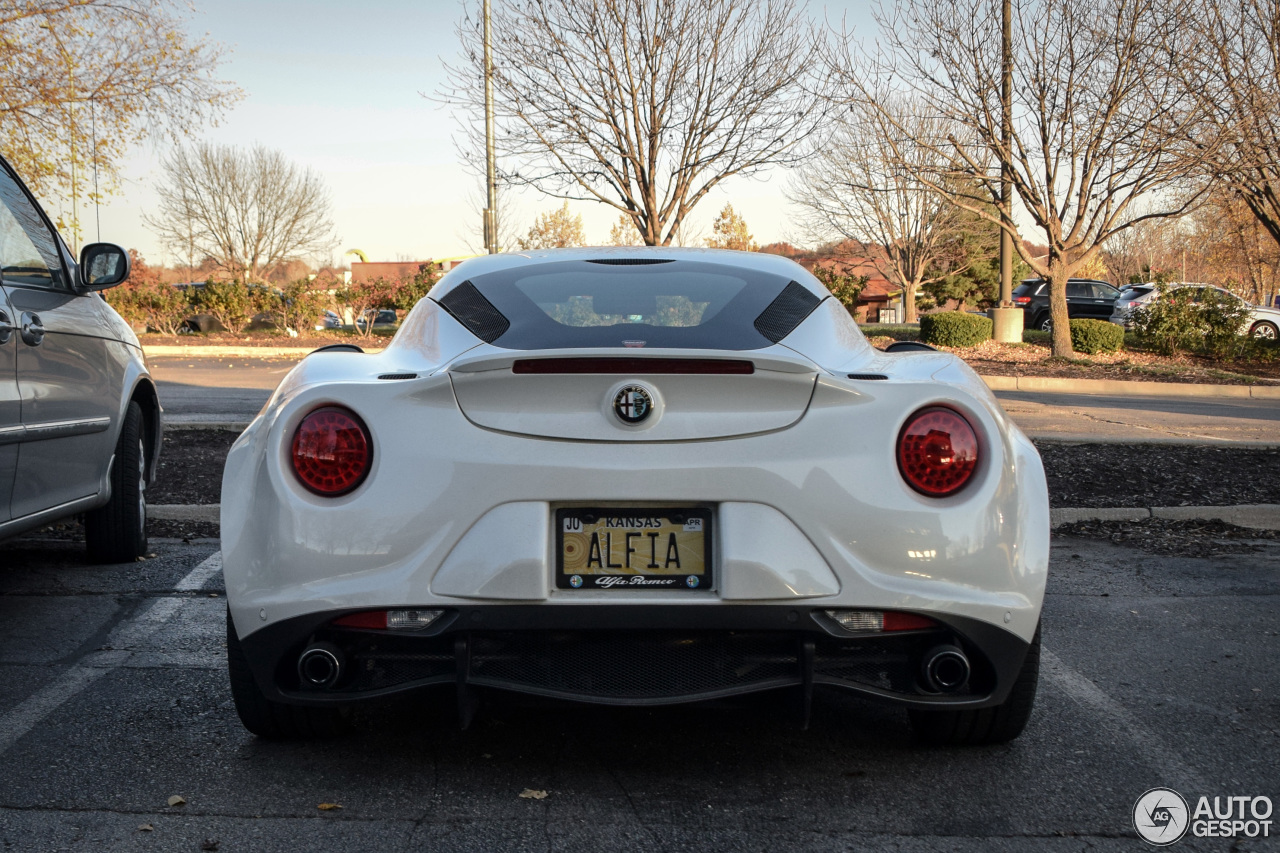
(638, 476)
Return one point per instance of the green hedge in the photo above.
(955, 329)
(1095, 336)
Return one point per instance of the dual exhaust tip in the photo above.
(943, 669)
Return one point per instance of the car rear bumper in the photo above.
(633, 655)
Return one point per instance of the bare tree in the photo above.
(250, 211)
(1086, 160)
(555, 229)
(864, 186)
(81, 81)
(1227, 60)
(643, 105)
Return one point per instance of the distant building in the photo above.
(391, 270)
(852, 258)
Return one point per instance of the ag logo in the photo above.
(1161, 816)
(632, 404)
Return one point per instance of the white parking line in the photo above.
(1119, 721)
(28, 713)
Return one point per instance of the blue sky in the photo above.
(336, 85)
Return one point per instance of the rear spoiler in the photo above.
(669, 361)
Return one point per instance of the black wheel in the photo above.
(1265, 329)
(117, 531)
(276, 720)
(1044, 323)
(999, 724)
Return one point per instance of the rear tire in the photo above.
(276, 720)
(999, 724)
(117, 532)
(1044, 323)
(1265, 330)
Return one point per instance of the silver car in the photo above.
(79, 415)
(1262, 322)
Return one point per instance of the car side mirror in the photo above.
(103, 265)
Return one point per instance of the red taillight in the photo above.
(895, 621)
(1022, 300)
(331, 451)
(375, 620)
(937, 452)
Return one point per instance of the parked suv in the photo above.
(1261, 323)
(79, 416)
(1086, 298)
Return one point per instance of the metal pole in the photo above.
(1006, 140)
(491, 169)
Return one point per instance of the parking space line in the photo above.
(31, 711)
(1121, 722)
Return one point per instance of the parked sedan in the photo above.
(635, 477)
(1262, 322)
(79, 416)
(1086, 299)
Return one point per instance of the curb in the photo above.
(1255, 516)
(167, 351)
(1126, 388)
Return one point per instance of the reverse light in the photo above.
(332, 451)
(876, 622)
(937, 452)
(389, 620)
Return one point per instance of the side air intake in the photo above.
(786, 312)
(469, 307)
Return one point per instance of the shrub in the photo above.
(955, 329)
(1095, 336)
(157, 307)
(232, 303)
(1192, 320)
(296, 307)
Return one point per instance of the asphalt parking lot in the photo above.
(1159, 671)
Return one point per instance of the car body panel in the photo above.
(70, 390)
(809, 511)
(10, 408)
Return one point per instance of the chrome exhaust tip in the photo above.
(320, 665)
(944, 669)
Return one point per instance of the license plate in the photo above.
(633, 548)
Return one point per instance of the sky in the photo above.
(338, 87)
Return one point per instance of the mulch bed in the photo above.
(191, 467)
(1177, 538)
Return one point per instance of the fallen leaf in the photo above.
(209, 844)
(328, 807)
(146, 827)
(175, 800)
(531, 794)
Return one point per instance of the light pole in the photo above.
(1006, 318)
(491, 170)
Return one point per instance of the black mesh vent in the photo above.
(637, 666)
(867, 376)
(629, 262)
(397, 376)
(469, 307)
(786, 312)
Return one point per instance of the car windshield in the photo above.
(677, 303)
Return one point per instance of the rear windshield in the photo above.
(1136, 291)
(581, 303)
